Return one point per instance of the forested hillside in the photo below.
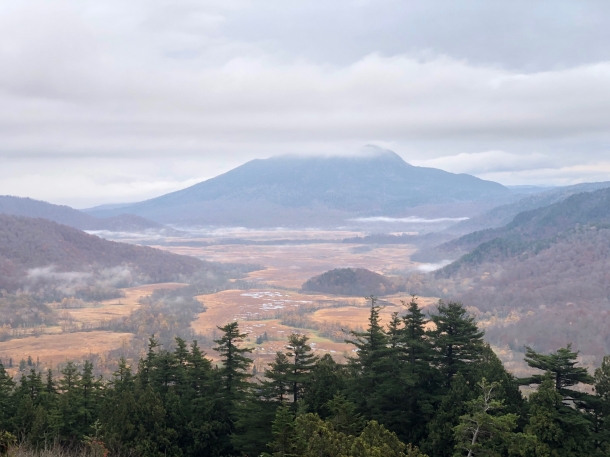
(541, 280)
(18, 206)
(526, 229)
(27, 244)
(358, 282)
(406, 392)
(504, 214)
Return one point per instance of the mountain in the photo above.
(18, 206)
(292, 190)
(502, 215)
(28, 243)
(358, 282)
(543, 280)
(531, 227)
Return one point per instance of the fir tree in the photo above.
(235, 365)
(562, 364)
(7, 409)
(365, 372)
(457, 340)
(560, 430)
(415, 341)
(328, 379)
(301, 364)
(278, 384)
(283, 431)
(440, 441)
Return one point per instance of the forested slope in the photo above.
(527, 229)
(504, 214)
(28, 243)
(542, 280)
(358, 282)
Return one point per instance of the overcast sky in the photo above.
(124, 100)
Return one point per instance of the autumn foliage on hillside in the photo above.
(351, 281)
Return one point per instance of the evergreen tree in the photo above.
(90, 393)
(415, 341)
(422, 393)
(491, 368)
(366, 373)
(484, 430)
(278, 384)
(301, 364)
(562, 365)
(599, 411)
(440, 441)
(343, 416)
(560, 430)
(235, 365)
(457, 340)
(283, 431)
(67, 420)
(234, 388)
(7, 409)
(328, 379)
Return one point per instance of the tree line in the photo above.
(410, 389)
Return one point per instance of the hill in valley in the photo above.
(28, 243)
(542, 280)
(18, 206)
(350, 281)
(313, 191)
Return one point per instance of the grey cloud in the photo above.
(202, 86)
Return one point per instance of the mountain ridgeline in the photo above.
(292, 190)
(532, 229)
(62, 214)
(541, 280)
(504, 214)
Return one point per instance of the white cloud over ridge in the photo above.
(90, 93)
(488, 162)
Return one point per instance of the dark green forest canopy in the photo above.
(406, 391)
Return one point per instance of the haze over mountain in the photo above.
(292, 190)
(62, 214)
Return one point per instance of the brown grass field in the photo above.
(54, 349)
(117, 307)
(291, 265)
(258, 310)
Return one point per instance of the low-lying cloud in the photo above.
(429, 267)
(411, 219)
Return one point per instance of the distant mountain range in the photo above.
(292, 190)
(504, 214)
(18, 206)
(533, 226)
